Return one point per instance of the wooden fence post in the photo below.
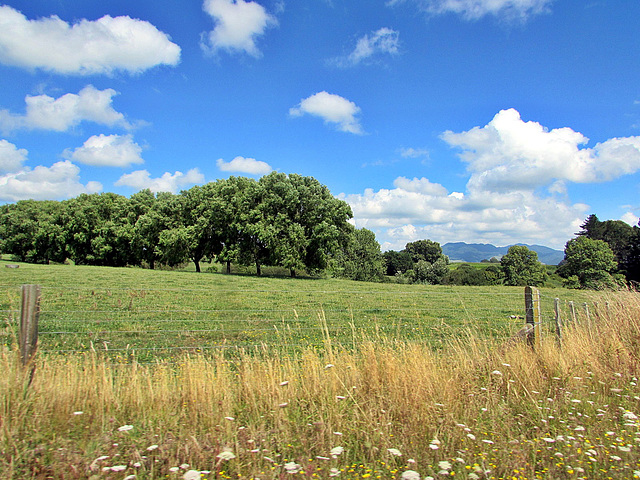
(29, 316)
(532, 309)
(572, 309)
(556, 308)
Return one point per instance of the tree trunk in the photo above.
(293, 273)
(258, 269)
(197, 262)
(228, 266)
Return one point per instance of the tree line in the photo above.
(284, 220)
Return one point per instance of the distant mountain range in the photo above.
(476, 252)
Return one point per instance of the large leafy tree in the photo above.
(521, 267)
(31, 231)
(616, 233)
(99, 230)
(588, 263)
(397, 262)
(359, 257)
(426, 250)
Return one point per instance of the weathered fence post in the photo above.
(556, 308)
(29, 316)
(572, 309)
(532, 309)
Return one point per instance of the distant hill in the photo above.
(476, 252)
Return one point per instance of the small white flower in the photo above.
(630, 416)
(335, 451)
(411, 460)
(286, 382)
(125, 428)
(151, 448)
(322, 458)
(471, 436)
(337, 433)
(191, 475)
(624, 449)
(283, 405)
(615, 457)
(496, 372)
(231, 419)
(118, 468)
(130, 477)
(579, 428)
(488, 441)
(184, 466)
(334, 472)
(444, 465)
(549, 440)
(78, 413)
(174, 469)
(473, 476)
(410, 475)
(340, 397)
(394, 451)
(329, 365)
(292, 467)
(226, 455)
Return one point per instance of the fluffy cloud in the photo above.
(61, 180)
(516, 189)
(420, 209)
(86, 47)
(382, 41)
(244, 165)
(11, 158)
(60, 114)
(332, 109)
(237, 24)
(141, 179)
(509, 154)
(476, 9)
(107, 151)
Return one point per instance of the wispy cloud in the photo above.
(244, 165)
(383, 41)
(476, 9)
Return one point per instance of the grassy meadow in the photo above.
(148, 375)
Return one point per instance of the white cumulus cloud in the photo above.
(61, 180)
(380, 42)
(244, 165)
(11, 157)
(168, 182)
(509, 154)
(107, 151)
(476, 9)
(86, 47)
(237, 24)
(332, 109)
(60, 114)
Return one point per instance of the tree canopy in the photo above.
(283, 220)
(520, 267)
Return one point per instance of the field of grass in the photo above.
(348, 386)
(146, 315)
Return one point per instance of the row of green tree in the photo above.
(282, 220)
(604, 254)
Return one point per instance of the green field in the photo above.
(129, 313)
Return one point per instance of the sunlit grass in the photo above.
(475, 408)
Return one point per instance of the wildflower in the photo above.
(471, 436)
(184, 466)
(322, 458)
(394, 451)
(130, 477)
(615, 457)
(118, 468)
(336, 451)
(78, 413)
(231, 419)
(473, 476)
(630, 416)
(549, 440)
(191, 475)
(624, 449)
(411, 460)
(286, 382)
(151, 448)
(226, 455)
(125, 428)
(328, 365)
(410, 475)
(579, 428)
(444, 465)
(283, 405)
(496, 372)
(292, 467)
(340, 397)
(174, 469)
(334, 472)
(488, 441)
(337, 433)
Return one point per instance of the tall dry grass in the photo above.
(471, 410)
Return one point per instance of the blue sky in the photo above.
(495, 121)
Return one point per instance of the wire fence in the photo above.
(147, 325)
